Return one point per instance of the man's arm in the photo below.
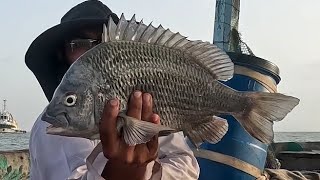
(175, 158)
(57, 157)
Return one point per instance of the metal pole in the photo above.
(4, 105)
(226, 20)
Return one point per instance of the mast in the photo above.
(4, 105)
(226, 23)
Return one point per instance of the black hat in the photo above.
(41, 57)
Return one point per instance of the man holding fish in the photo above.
(57, 157)
(96, 69)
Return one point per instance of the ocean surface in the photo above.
(20, 141)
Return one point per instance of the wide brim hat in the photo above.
(41, 56)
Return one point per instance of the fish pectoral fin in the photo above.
(136, 131)
(212, 131)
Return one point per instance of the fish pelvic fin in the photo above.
(207, 55)
(136, 131)
(265, 108)
(212, 131)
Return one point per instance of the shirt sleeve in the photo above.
(58, 157)
(177, 159)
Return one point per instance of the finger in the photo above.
(145, 153)
(134, 110)
(107, 128)
(141, 154)
(152, 146)
(146, 107)
(135, 105)
(128, 154)
(154, 143)
(126, 151)
(155, 119)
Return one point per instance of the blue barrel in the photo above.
(251, 74)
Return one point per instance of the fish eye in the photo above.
(70, 100)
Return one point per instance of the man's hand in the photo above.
(127, 162)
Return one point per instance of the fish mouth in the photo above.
(60, 120)
(59, 125)
(71, 132)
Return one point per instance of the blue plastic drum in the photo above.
(251, 74)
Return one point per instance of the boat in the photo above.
(237, 152)
(239, 155)
(7, 122)
(297, 156)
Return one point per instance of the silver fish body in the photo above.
(181, 75)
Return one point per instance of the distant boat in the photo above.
(7, 123)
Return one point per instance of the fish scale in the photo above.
(126, 59)
(166, 98)
(183, 76)
(163, 65)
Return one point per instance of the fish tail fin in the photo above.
(212, 131)
(264, 109)
(138, 132)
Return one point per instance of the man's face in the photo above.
(79, 45)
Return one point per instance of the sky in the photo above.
(284, 32)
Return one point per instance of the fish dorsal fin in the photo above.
(207, 55)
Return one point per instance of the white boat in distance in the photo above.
(7, 123)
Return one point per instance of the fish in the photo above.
(185, 78)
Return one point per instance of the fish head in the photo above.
(75, 109)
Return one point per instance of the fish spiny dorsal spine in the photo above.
(207, 55)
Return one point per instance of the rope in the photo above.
(231, 161)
